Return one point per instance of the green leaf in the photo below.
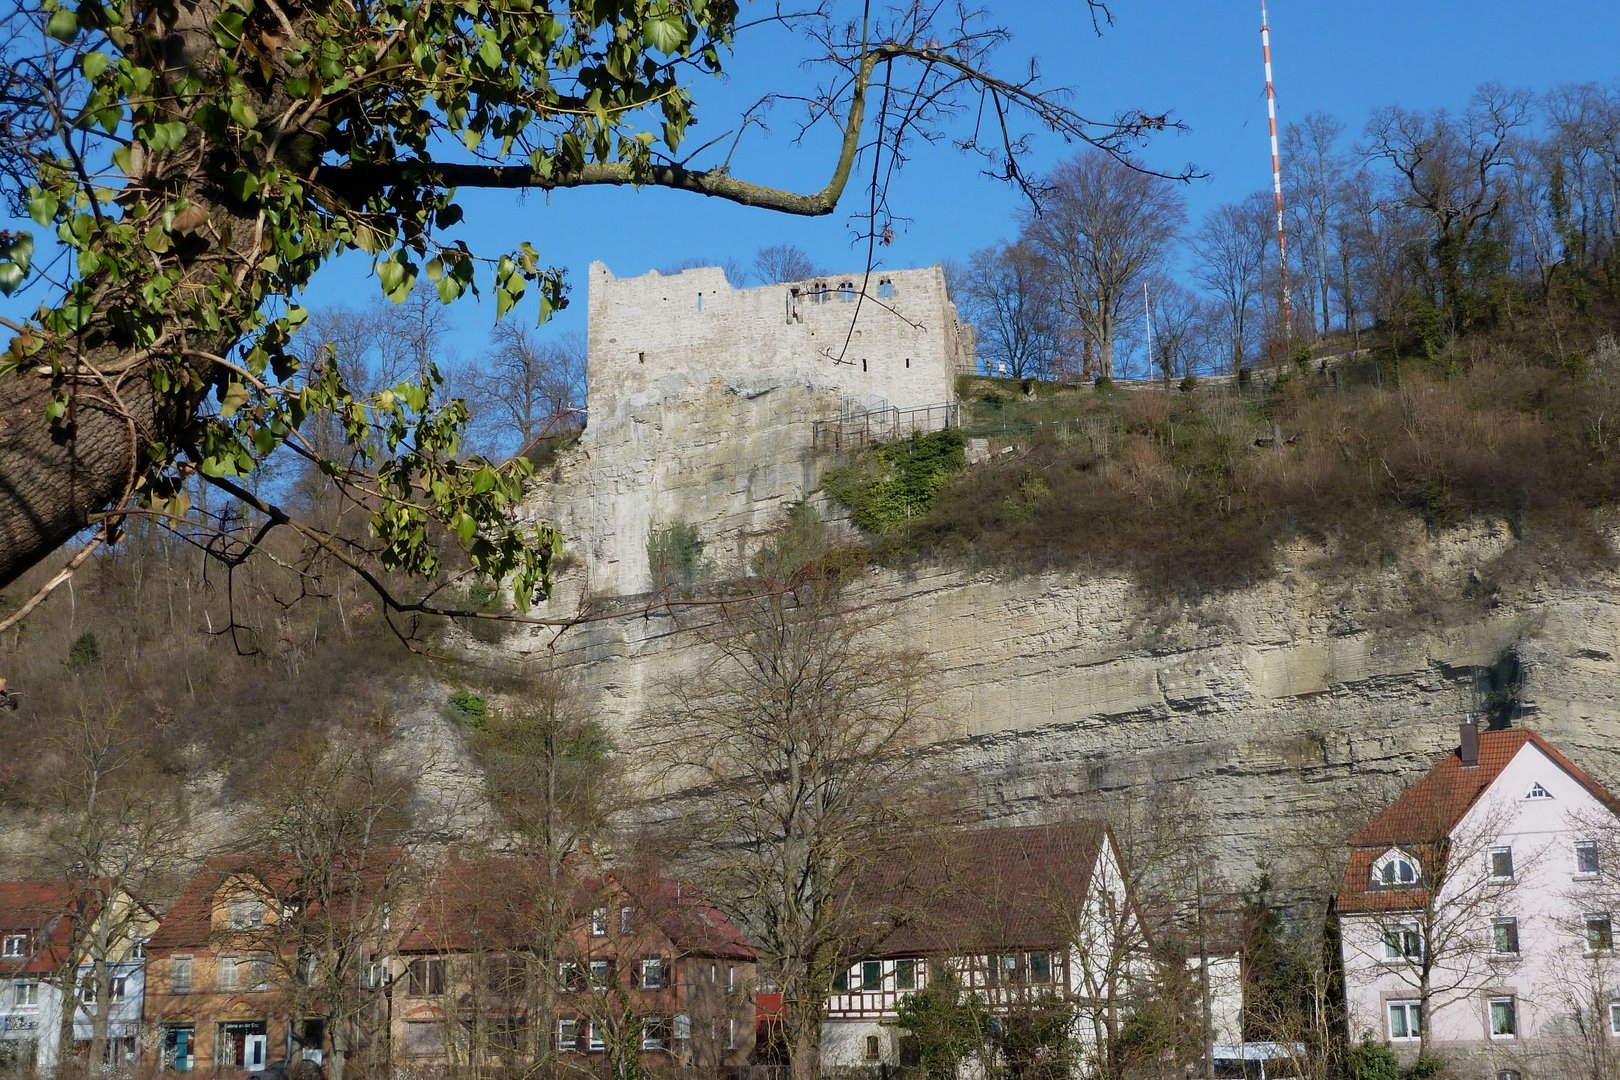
(93, 64)
(42, 207)
(63, 24)
(234, 397)
(665, 33)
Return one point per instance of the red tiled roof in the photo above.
(984, 889)
(692, 924)
(39, 909)
(1427, 812)
(188, 923)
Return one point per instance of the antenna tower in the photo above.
(1276, 174)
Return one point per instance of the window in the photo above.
(1405, 1020)
(246, 912)
(14, 945)
(594, 1036)
(1614, 1018)
(372, 978)
(117, 986)
(179, 1044)
(1505, 937)
(873, 1050)
(1504, 1017)
(731, 1033)
(1040, 968)
(841, 981)
(137, 948)
(1394, 868)
(1586, 857)
(1599, 932)
(599, 922)
(25, 995)
(424, 978)
(180, 974)
(225, 973)
(731, 978)
(1403, 941)
(423, 1038)
(905, 974)
(846, 291)
(1501, 864)
(1537, 792)
(258, 974)
(627, 919)
(652, 974)
(885, 288)
(601, 974)
(1508, 1074)
(654, 1032)
(567, 1034)
(871, 976)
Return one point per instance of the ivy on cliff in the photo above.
(888, 484)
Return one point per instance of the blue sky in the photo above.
(1197, 59)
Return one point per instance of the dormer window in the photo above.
(1394, 869)
(14, 945)
(246, 912)
(1537, 792)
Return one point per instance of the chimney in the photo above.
(1468, 746)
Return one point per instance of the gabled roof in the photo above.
(1427, 812)
(189, 921)
(496, 901)
(979, 890)
(38, 908)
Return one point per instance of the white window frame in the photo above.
(594, 1039)
(1582, 847)
(1614, 1018)
(599, 922)
(1603, 922)
(1403, 942)
(1508, 922)
(1491, 867)
(245, 911)
(177, 965)
(226, 975)
(14, 946)
(650, 1027)
(1511, 1004)
(605, 980)
(1409, 1008)
(652, 973)
(627, 919)
(25, 994)
(1395, 857)
(731, 978)
(1537, 792)
(567, 1034)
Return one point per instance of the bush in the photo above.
(892, 483)
(1189, 383)
(84, 651)
(1102, 382)
(675, 555)
(468, 709)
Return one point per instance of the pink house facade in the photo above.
(1477, 914)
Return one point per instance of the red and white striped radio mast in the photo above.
(1276, 173)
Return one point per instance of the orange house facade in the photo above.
(638, 970)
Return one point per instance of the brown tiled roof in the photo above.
(984, 889)
(1427, 812)
(38, 908)
(494, 901)
(188, 924)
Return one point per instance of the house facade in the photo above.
(1477, 913)
(35, 943)
(261, 961)
(507, 965)
(1027, 919)
(111, 977)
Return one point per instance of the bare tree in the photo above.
(528, 386)
(1229, 251)
(794, 747)
(1007, 293)
(1101, 226)
(1449, 170)
(1317, 171)
(778, 263)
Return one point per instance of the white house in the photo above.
(35, 936)
(1018, 916)
(1476, 913)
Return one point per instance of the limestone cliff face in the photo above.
(1289, 710)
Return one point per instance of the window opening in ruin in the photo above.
(908, 362)
(863, 363)
(641, 358)
(846, 291)
(885, 288)
(819, 294)
(700, 303)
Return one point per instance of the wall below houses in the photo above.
(1284, 713)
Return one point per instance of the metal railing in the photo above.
(853, 430)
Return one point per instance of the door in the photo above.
(253, 1048)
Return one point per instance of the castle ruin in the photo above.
(703, 400)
